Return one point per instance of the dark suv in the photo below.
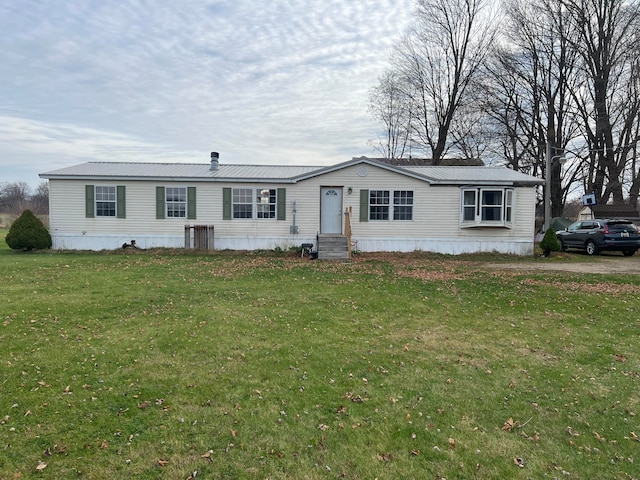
(598, 235)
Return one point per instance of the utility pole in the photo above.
(547, 188)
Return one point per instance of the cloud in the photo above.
(279, 81)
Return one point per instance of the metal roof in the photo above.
(441, 175)
(475, 175)
(179, 171)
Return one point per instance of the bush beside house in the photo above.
(550, 242)
(28, 233)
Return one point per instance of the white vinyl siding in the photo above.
(432, 204)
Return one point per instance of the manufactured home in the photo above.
(376, 205)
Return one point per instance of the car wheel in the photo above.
(563, 247)
(628, 253)
(591, 248)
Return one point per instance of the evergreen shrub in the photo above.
(28, 233)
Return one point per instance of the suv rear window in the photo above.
(622, 227)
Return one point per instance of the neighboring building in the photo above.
(445, 209)
(609, 211)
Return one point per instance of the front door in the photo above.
(331, 210)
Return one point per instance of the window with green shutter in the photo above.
(121, 203)
(159, 202)
(282, 204)
(90, 205)
(191, 203)
(364, 205)
(226, 203)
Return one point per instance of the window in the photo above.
(266, 203)
(386, 205)
(242, 203)
(176, 201)
(105, 201)
(254, 203)
(487, 207)
(378, 205)
(403, 205)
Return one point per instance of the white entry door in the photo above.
(331, 210)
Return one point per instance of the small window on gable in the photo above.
(486, 207)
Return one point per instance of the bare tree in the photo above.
(389, 104)
(529, 95)
(607, 43)
(14, 197)
(437, 61)
(39, 201)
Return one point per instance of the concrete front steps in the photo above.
(333, 247)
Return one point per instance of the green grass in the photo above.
(156, 364)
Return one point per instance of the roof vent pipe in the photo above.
(215, 156)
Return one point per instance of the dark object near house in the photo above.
(597, 235)
(28, 233)
(307, 248)
(130, 245)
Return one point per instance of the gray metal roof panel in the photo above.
(449, 175)
(462, 175)
(178, 171)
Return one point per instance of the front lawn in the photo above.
(159, 364)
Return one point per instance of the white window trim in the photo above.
(506, 207)
(255, 195)
(114, 201)
(391, 206)
(167, 203)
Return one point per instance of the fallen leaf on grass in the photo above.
(415, 453)
(145, 404)
(162, 462)
(621, 358)
(323, 427)
(452, 443)
(384, 457)
(509, 425)
(207, 455)
(41, 466)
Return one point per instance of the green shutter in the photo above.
(226, 203)
(191, 202)
(364, 205)
(89, 193)
(281, 207)
(121, 203)
(159, 202)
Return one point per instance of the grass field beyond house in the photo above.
(176, 365)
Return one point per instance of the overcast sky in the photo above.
(260, 81)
